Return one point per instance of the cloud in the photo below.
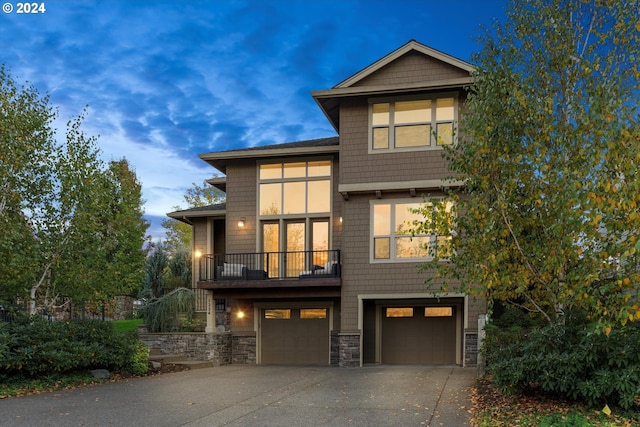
(166, 81)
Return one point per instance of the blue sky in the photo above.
(168, 80)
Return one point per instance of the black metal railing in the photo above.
(270, 265)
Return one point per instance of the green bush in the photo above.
(574, 360)
(34, 347)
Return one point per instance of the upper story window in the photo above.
(412, 124)
(391, 236)
(295, 188)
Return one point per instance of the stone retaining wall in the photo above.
(212, 347)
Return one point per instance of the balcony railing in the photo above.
(270, 265)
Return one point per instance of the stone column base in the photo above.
(349, 346)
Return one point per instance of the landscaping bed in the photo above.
(27, 387)
(491, 408)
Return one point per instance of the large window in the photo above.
(295, 188)
(412, 124)
(392, 238)
(294, 212)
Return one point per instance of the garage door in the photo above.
(295, 336)
(419, 335)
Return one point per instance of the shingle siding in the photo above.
(359, 166)
(360, 275)
(241, 203)
(411, 68)
(354, 164)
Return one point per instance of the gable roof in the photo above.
(412, 45)
(329, 99)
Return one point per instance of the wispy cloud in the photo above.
(167, 80)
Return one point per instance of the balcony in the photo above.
(303, 273)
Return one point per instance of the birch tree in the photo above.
(69, 226)
(548, 148)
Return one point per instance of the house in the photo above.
(309, 261)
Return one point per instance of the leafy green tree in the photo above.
(27, 153)
(548, 148)
(178, 234)
(109, 259)
(124, 229)
(68, 225)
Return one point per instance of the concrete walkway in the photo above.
(260, 396)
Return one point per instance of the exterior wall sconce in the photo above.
(198, 254)
(340, 220)
(241, 223)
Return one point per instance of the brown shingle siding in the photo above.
(413, 68)
(360, 275)
(241, 203)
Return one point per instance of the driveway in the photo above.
(259, 396)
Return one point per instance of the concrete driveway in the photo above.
(259, 396)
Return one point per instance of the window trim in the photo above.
(433, 143)
(307, 217)
(282, 180)
(392, 255)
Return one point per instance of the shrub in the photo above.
(574, 360)
(35, 347)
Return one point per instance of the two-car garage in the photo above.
(394, 332)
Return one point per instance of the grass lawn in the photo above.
(126, 325)
(492, 409)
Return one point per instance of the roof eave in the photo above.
(185, 216)
(328, 99)
(219, 160)
(218, 182)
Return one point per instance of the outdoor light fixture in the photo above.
(340, 220)
(240, 314)
(241, 222)
(198, 254)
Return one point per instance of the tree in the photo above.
(548, 148)
(169, 301)
(109, 258)
(70, 226)
(124, 229)
(178, 234)
(27, 151)
(154, 273)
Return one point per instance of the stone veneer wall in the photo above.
(349, 344)
(215, 347)
(334, 357)
(470, 349)
(244, 350)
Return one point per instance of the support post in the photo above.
(211, 313)
(482, 320)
